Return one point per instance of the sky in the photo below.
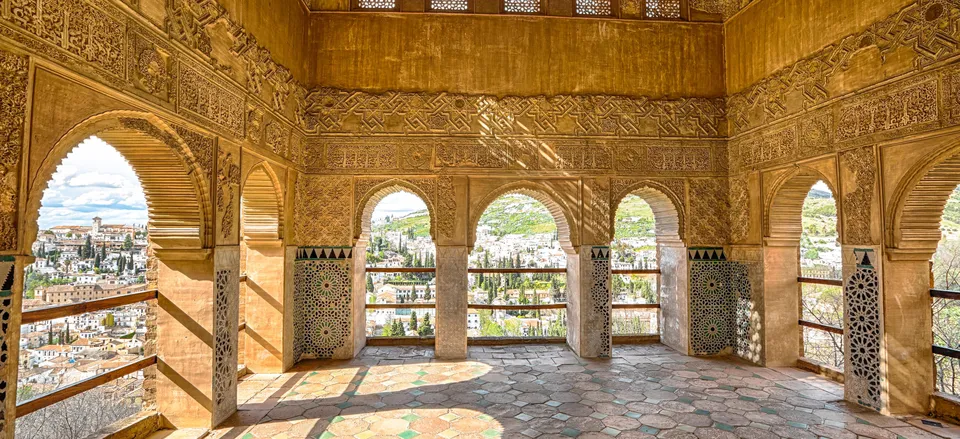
(398, 204)
(93, 180)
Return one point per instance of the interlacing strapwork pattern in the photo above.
(594, 7)
(449, 5)
(862, 305)
(663, 9)
(711, 313)
(225, 368)
(600, 294)
(740, 283)
(523, 6)
(377, 4)
(322, 299)
(7, 267)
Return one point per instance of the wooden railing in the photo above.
(43, 401)
(949, 295)
(814, 325)
(62, 311)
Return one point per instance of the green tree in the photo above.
(413, 320)
(128, 242)
(398, 330)
(427, 294)
(426, 328)
(388, 329)
(370, 284)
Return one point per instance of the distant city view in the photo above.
(81, 256)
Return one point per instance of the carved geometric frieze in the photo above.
(901, 109)
(13, 108)
(344, 111)
(390, 155)
(153, 66)
(929, 29)
(205, 98)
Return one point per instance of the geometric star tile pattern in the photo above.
(547, 392)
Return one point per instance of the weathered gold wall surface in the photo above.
(514, 55)
(772, 34)
(279, 25)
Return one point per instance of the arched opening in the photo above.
(820, 259)
(517, 284)
(785, 305)
(264, 346)
(646, 238)
(399, 276)
(946, 306)
(138, 186)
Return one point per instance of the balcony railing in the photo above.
(632, 320)
(946, 358)
(402, 339)
(536, 311)
(830, 352)
(57, 312)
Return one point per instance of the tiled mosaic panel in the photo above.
(861, 294)
(721, 303)
(600, 295)
(322, 289)
(7, 271)
(225, 342)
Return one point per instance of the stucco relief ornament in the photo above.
(228, 180)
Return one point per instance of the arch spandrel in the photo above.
(783, 204)
(174, 183)
(261, 204)
(564, 217)
(664, 201)
(369, 193)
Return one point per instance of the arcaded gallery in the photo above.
(479, 219)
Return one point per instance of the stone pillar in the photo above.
(451, 298)
(268, 309)
(359, 311)
(11, 302)
(907, 325)
(589, 302)
(781, 310)
(197, 343)
(674, 297)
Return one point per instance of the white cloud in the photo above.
(93, 180)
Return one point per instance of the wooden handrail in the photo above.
(243, 278)
(400, 270)
(817, 280)
(56, 312)
(946, 352)
(636, 306)
(517, 307)
(515, 270)
(27, 407)
(822, 327)
(401, 305)
(242, 327)
(945, 294)
(637, 271)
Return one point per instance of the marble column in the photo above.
(451, 298)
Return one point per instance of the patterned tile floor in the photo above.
(548, 392)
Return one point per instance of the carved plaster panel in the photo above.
(13, 108)
(323, 210)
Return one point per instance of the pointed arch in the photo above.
(175, 185)
(784, 209)
(261, 205)
(372, 197)
(665, 204)
(568, 236)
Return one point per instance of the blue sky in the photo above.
(93, 180)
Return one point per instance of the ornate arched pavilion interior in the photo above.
(264, 132)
